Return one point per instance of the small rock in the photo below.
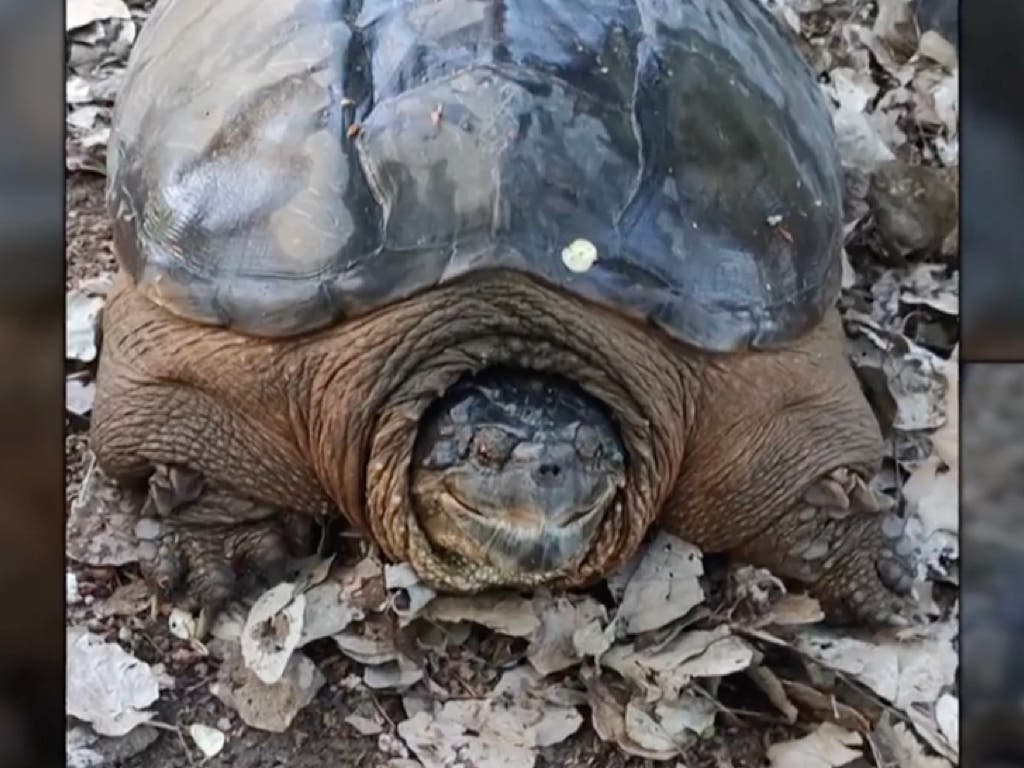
(182, 624)
(914, 208)
(268, 707)
(209, 740)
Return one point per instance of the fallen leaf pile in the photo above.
(669, 652)
(100, 34)
(648, 679)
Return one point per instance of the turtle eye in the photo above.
(596, 445)
(588, 442)
(492, 446)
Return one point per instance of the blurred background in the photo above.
(992, 152)
(992, 424)
(31, 383)
(992, 557)
(31, 336)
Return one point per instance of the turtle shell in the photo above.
(278, 165)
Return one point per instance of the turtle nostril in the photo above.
(550, 470)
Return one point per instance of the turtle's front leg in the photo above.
(847, 545)
(207, 538)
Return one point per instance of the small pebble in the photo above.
(391, 745)
(224, 724)
(124, 635)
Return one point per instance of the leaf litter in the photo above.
(107, 687)
(646, 666)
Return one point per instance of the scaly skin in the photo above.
(723, 450)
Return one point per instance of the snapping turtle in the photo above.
(504, 284)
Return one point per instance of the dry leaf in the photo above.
(81, 13)
(105, 686)
(79, 396)
(371, 643)
(272, 632)
(101, 523)
(552, 648)
(398, 674)
(925, 284)
(947, 715)
(933, 494)
(506, 614)
(441, 744)
(822, 706)
(934, 46)
(82, 313)
(861, 145)
(946, 439)
(366, 726)
(664, 585)
(410, 595)
(670, 725)
(829, 746)
(664, 670)
(900, 672)
(897, 745)
(608, 716)
(500, 730)
(328, 611)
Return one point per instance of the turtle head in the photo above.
(516, 470)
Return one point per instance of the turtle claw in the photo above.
(845, 543)
(206, 540)
(895, 563)
(871, 574)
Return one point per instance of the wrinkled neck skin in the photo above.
(373, 379)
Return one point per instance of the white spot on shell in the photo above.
(579, 255)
